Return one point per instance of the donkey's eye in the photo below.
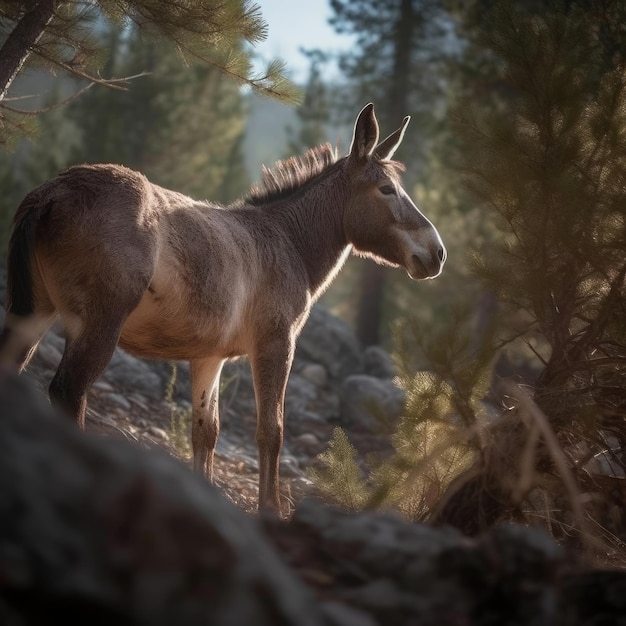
(387, 190)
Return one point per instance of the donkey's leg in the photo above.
(205, 427)
(271, 364)
(88, 350)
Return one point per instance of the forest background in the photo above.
(514, 360)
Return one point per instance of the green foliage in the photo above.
(339, 478)
(459, 365)
(182, 129)
(441, 433)
(314, 111)
(552, 168)
(398, 63)
(214, 32)
(180, 419)
(545, 159)
(34, 162)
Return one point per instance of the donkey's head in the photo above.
(381, 220)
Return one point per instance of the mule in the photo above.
(123, 261)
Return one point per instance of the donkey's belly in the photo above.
(165, 327)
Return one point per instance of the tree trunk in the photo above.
(19, 44)
(370, 312)
(374, 277)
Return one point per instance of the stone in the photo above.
(98, 530)
(315, 373)
(370, 403)
(159, 433)
(118, 400)
(133, 375)
(103, 385)
(378, 363)
(401, 573)
(329, 341)
(340, 614)
(48, 354)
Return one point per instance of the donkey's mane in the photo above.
(289, 175)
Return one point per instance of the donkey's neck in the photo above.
(313, 219)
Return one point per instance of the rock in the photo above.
(289, 466)
(48, 354)
(378, 363)
(118, 400)
(131, 374)
(340, 614)
(159, 433)
(329, 341)
(236, 388)
(97, 530)
(307, 439)
(396, 572)
(138, 400)
(301, 394)
(370, 403)
(102, 385)
(315, 374)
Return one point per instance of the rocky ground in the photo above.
(96, 530)
(333, 382)
(107, 529)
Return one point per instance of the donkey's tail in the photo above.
(18, 340)
(19, 299)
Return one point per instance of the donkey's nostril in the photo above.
(440, 254)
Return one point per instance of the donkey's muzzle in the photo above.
(427, 266)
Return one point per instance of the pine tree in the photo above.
(60, 36)
(439, 436)
(313, 113)
(180, 128)
(548, 164)
(546, 159)
(35, 162)
(551, 169)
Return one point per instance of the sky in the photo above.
(293, 24)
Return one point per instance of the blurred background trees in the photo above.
(398, 63)
(514, 360)
(538, 144)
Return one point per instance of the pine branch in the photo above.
(267, 84)
(596, 328)
(69, 99)
(539, 421)
(111, 83)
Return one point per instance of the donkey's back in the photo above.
(170, 277)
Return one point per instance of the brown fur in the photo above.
(125, 262)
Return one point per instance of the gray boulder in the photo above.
(389, 571)
(378, 363)
(96, 530)
(369, 403)
(329, 341)
(137, 375)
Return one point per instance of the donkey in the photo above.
(125, 262)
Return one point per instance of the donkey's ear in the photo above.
(386, 148)
(365, 134)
